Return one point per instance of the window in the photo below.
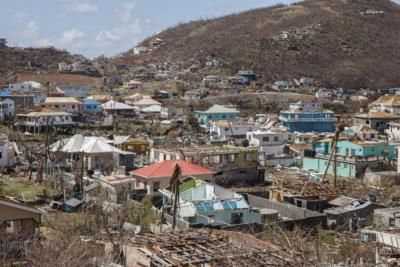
(391, 222)
(237, 218)
(231, 158)
(372, 135)
(156, 186)
(249, 156)
(1, 155)
(345, 165)
(266, 139)
(276, 138)
(226, 129)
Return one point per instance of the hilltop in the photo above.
(15, 60)
(344, 43)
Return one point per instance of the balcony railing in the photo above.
(351, 158)
(282, 118)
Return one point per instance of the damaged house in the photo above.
(17, 221)
(202, 203)
(157, 176)
(9, 153)
(271, 145)
(353, 157)
(232, 164)
(94, 153)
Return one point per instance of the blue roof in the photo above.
(91, 101)
(5, 92)
(232, 204)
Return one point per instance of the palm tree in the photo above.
(174, 185)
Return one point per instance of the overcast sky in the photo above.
(96, 27)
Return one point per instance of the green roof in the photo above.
(188, 184)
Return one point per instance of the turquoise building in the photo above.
(307, 117)
(353, 157)
(216, 113)
(91, 106)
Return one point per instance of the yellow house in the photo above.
(132, 144)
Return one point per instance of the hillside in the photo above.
(334, 41)
(16, 60)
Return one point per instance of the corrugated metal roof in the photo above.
(61, 100)
(166, 168)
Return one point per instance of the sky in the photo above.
(105, 27)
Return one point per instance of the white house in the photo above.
(270, 141)
(78, 91)
(271, 146)
(140, 50)
(28, 85)
(211, 80)
(145, 102)
(282, 85)
(9, 152)
(7, 109)
(224, 130)
(363, 132)
(118, 108)
(324, 93)
(393, 132)
(387, 103)
(38, 121)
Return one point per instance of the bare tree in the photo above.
(174, 185)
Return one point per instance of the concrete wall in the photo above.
(225, 217)
(386, 219)
(341, 217)
(297, 215)
(343, 169)
(381, 178)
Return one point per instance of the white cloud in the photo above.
(29, 32)
(20, 15)
(82, 8)
(130, 28)
(126, 11)
(44, 42)
(70, 37)
(107, 36)
(126, 28)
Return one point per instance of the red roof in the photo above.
(166, 168)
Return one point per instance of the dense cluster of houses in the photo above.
(226, 150)
(33, 107)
